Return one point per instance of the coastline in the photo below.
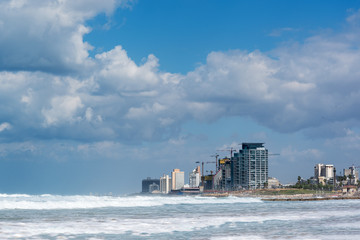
(275, 196)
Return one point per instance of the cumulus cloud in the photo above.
(63, 108)
(295, 87)
(47, 35)
(307, 85)
(118, 72)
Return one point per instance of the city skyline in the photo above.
(96, 96)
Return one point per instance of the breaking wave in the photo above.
(49, 202)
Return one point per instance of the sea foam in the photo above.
(51, 202)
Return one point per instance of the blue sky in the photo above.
(96, 95)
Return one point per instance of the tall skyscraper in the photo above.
(194, 177)
(250, 166)
(165, 184)
(224, 181)
(177, 179)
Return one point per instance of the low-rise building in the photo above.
(349, 189)
(273, 183)
(154, 188)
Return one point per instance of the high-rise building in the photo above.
(223, 178)
(352, 174)
(177, 179)
(250, 167)
(194, 177)
(324, 172)
(147, 182)
(165, 184)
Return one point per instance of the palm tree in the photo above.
(350, 177)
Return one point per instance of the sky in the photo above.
(97, 95)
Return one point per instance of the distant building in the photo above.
(324, 173)
(154, 188)
(224, 182)
(147, 182)
(194, 178)
(177, 179)
(250, 166)
(209, 182)
(273, 183)
(349, 189)
(321, 180)
(165, 184)
(217, 180)
(353, 173)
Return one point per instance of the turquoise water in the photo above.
(180, 217)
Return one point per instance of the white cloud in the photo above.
(63, 109)
(301, 86)
(48, 35)
(4, 126)
(298, 87)
(122, 74)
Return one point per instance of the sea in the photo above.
(174, 217)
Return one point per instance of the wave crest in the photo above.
(49, 202)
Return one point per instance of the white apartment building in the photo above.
(323, 172)
(194, 178)
(165, 184)
(354, 175)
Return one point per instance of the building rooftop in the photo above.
(252, 145)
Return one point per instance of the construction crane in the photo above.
(273, 154)
(202, 166)
(202, 170)
(231, 150)
(216, 160)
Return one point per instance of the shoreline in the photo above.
(286, 197)
(308, 199)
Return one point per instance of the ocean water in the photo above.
(174, 217)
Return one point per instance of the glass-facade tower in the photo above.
(250, 166)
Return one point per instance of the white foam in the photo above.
(149, 226)
(145, 226)
(50, 202)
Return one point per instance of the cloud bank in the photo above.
(50, 88)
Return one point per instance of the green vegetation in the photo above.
(292, 191)
(309, 185)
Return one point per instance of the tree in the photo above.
(350, 177)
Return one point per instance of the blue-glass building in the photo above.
(250, 167)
